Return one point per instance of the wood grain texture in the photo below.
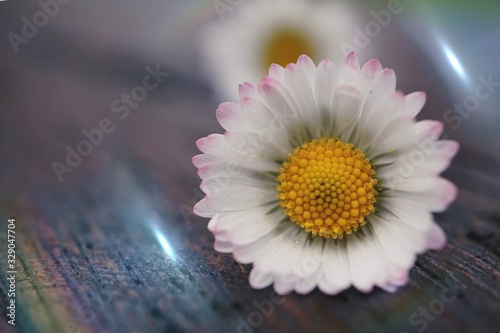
(115, 246)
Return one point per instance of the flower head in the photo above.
(324, 178)
(255, 34)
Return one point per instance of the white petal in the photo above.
(308, 68)
(406, 212)
(408, 226)
(307, 285)
(424, 133)
(311, 261)
(435, 193)
(411, 184)
(383, 84)
(351, 61)
(325, 83)
(222, 236)
(392, 285)
(439, 159)
(212, 224)
(229, 220)
(238, 169)
(251, 229)
(428, 129)
(349, 72)
(213, 184)
(261, 149)
(346, 107)
(371, 69)
(373, 124)
(259, 280)
(214, 144)
(256, 113)
(231, 118)
(247, 253)
(285, 114)
(247, 90)
(299, 267)
(414, 103)
(223, 247)
(276, 72)
(363, 264)
(280, 255)
(390, 270)
(426, 159)
(436, 239)
(203, 159)
(240, 150)
(389, 288)
(336, 272)
(385, 235)
(233, 199)
(283, 106)
(393, 138)
(300, 89)
(283, 286)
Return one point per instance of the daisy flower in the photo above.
(255, 34)
(324, 178)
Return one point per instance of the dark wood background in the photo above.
(115, 247)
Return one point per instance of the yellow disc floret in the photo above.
(327, 187)
(284, 46)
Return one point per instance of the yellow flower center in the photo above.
(327, 187)
(285, 46)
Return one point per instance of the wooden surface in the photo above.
(115, 247)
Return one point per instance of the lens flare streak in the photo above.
(454, 62)
(164, 243)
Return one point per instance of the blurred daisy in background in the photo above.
(324, 178)
(256, 33)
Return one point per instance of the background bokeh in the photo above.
(114, 246)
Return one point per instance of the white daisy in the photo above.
(255, 34)
(324, 178)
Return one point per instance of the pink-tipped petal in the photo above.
(230, 116)
(212, 224)
(276, 72)
(259, 280)
(325, 64)
(371, 69)
(203, 209)
(436, 239)
(247, 90)
(384, 83)
(324, 85)
(305, 62)
(223, 247)
(352, 61)
(448, 192)
(428, 129)
(213, 144)
(204, 159)
(308, 68)
(414, 102)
